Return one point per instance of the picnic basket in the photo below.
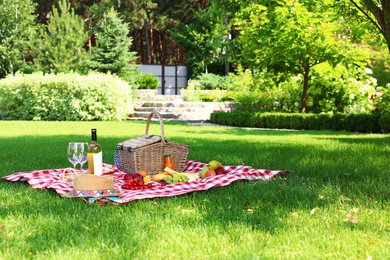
(146, 152)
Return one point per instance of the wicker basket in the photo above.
(146, 152)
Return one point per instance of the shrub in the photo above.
(147, 81)
(363, 123)
(210, 81)
(64, 97)
(229, 97)
(382, 100)
(384, 123)
(190, 93)
(206, 97)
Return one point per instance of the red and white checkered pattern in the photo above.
(49, 179)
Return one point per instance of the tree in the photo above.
(62, 48)
(16, 29)
(111, 54)
(378, 13)
(201, 40)
(289, 39)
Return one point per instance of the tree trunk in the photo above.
(151, 36)
(147, 40)
(227, 46)
(305, 89)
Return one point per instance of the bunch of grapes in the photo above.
(178, 177)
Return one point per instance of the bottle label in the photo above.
(95, 161)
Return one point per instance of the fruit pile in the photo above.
(170, 176)
(213, 168)
(136, 181)
(141, 181)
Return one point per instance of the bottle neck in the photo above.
(94, 136)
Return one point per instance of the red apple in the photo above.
(137, 176)
(210, 173)
(220, 171)
(128, 178)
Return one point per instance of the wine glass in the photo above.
(83, 150)
(73, 154)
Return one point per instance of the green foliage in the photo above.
(62, 48)
(209, 81)
(290, 38)
(381, 99)
(241, 80)
(201, 40)
(380, 66)
(17, 27)
(206, 97)
(384, 123)
(337, 89)
(190, 93)
(147, 81)
(255, 101)
(64, 97)
(111, 54)
(340, 90)
(194, 93)
(229, 96)
(362, 123)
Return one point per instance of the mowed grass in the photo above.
(333, 205)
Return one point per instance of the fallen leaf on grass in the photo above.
(2, 228)
(187, 211)
(313, 211)
(352, 219)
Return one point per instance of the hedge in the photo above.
(362, 123)
(63, 97)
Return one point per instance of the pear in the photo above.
(203, 173)
(213, 165)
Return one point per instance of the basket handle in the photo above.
(161, 124)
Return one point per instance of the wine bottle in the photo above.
(95, 158)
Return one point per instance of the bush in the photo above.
(384, 123)
(229, 97)
(382, 100)
(210, 81)
(64, 97)
(147, 81)
(363, 123)
(206, 97)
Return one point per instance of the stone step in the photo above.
(163, 115)
(179, 110)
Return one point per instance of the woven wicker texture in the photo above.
(146, 152)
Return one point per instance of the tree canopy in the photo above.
(17, 27)
(290, 38)
(378, 13)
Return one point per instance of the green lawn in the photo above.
(333, 205)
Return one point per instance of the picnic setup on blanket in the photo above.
(147, 166)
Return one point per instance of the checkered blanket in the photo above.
(49, 179)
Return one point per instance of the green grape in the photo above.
(178, 177)
(168, 179)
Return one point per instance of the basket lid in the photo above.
(140, 141)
